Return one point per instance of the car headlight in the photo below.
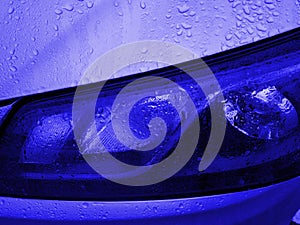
(39, 157)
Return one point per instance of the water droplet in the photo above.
(246, 10)
(35, 52)
(55, 27)
(58, 11)
(11, 10)
(12, 51)
(270, 20)
(13, 69)
(250, 30)
(179, 33)
(89, 4)
(183, 9)
(235, 4)
(144, 50)
(264, 114)
(104, 217)
(142, 4)
(168, 16)
(250, 19)
(186, 25)
(68, 7)
(192, 13)
(85, 205)
(270, 6)
(261, 27)
(91, 51)
(200, 205)
(228, 37)
(238, 35)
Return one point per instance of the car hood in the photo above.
(48, 45)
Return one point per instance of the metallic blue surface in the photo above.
(47, 45)
(273, 205)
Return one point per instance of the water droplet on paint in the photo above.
(89, 4)
(13, 69)
(68, 7)
(58, 11)
(11, 10)
(183, 9)
(85, 205)
(142, 4)
(35, 52)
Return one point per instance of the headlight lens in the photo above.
(261, 85)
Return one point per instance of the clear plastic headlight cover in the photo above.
(39, 157)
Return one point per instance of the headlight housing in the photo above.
(261, 85)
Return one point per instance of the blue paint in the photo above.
(40, 160)
(259, 206)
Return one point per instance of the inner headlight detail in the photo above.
(264, 114)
